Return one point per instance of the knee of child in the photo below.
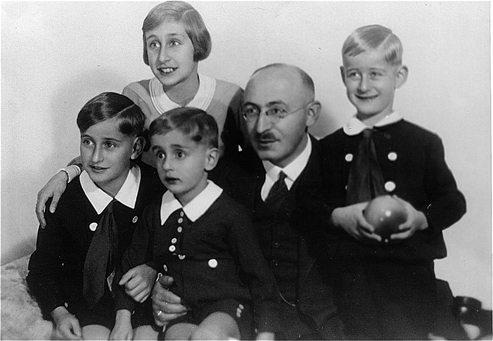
(217, 326)
(209, 333)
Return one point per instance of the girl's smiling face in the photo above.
(170, 54)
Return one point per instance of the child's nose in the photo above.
(97, 155)
(363, 84)
(167, 164)
(164, 55)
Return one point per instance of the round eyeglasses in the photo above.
(274, 113)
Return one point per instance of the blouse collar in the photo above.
(202, 99)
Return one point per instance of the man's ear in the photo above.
(313, 113)
(211, 159)
(138, 147)
(401, 76)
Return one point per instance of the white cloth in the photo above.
(354, 126)
(202, 99)
(127, 194)
(195, 208)
(292, 171)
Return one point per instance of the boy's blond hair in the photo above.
(374, 37)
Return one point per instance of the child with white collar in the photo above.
(386, 286)
(202, 238)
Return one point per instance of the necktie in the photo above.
(100, 257)
(277, 193)
(365, 177)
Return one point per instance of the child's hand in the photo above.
(351, 219)
(266, 336)
(54, 188)
(123, 326)
(67, 325)
(416, 221)
(138, 282)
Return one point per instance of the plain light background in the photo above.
(57, 55)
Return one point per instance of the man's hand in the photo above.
(416, 221)
(67, 325)
(352, 220)
(54, 188)
(138, 282)
(166, 306)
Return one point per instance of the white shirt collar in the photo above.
(195, 208)
(202, 99)
(127, 194)
(354, 126)
(292, 171)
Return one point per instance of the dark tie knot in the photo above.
(282, 176)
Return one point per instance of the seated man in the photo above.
(279, 108)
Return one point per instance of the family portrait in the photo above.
(246, 170)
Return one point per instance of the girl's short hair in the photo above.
(193, 122)
(183, 12)
(108, 105)
(372, 37)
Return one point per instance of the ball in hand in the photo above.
(385, 214)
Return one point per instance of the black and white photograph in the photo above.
(241, 170)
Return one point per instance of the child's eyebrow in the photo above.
(175, 34)
(180, 146)
(152, 36)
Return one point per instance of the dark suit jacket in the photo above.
(301, 212)
(412, 158)
(56, 267)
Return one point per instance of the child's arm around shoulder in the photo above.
(55, 187)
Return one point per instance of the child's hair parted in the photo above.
(108, 105)
(183, 12)
(193, 122)
(373, 37)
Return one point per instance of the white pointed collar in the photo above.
(195, 208)
(202, 99)
(354, 126)
(292, 171)
(127, 195)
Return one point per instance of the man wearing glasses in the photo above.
(279, 107)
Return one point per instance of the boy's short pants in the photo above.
(104, 314)
(240, 312)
